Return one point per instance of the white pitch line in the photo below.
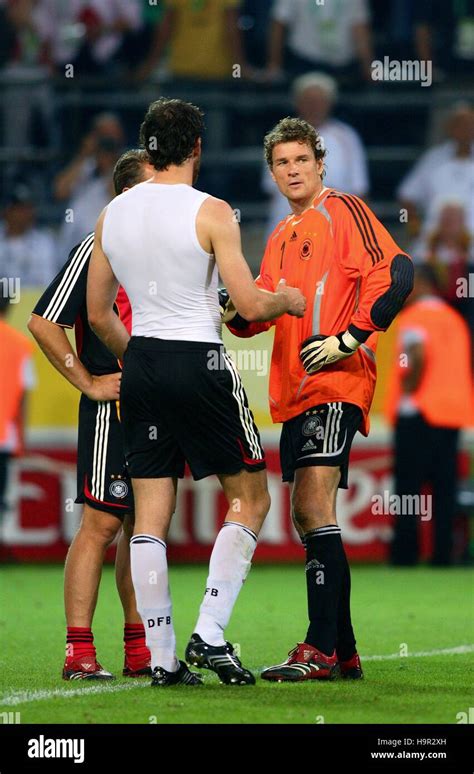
(459, 650)
(25, 697)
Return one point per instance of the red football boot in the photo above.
(85, 668)
(352, 668)
(137, 666)
(303, 663)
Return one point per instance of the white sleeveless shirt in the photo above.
(149, 236)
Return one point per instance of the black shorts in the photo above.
(102, 479)
(321, 435)
(183, 401)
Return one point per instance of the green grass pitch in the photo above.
(395, 611)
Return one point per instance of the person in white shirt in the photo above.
(27, 252)
(82, 167)
(445, 171)
(91, 191)
(86, 32)
(314, 95)
(166, 242)
(330, 36)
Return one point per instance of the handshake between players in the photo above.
(329, 266)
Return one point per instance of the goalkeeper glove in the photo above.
(319, 351)
(226, 306)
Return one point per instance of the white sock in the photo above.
(229, 566)
(150, 581)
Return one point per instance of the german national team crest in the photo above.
(119, 489)
(306, 250)
(310, 425)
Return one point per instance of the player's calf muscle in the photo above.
(248, 498)
(251, 513)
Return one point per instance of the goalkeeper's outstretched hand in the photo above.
(319, 351)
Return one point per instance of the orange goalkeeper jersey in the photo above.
(340, 257)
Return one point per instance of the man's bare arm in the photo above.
(102, 289)
(252, 303)
(55, 344)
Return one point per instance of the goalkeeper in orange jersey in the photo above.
(323, 372)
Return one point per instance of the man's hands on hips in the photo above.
(319, 351)
(104, 387)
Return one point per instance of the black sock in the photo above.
(324, 577)
(345, 644)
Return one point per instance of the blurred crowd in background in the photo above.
(64, 63)
(77, 75)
